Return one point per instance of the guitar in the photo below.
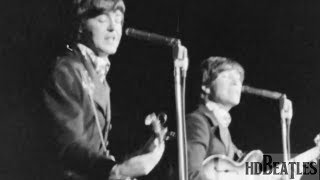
(220, 167)
(156, 122)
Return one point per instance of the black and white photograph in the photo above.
(159, 90)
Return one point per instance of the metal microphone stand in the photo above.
(180, 69)
(285, 143)
(285, 128)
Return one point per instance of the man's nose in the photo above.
(111, 24)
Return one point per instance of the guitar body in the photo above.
(221, 167)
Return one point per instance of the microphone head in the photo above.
(245, 88)
(128, 31)
(261, 92)
(152, 37)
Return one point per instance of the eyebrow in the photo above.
(119, 7)
(100, 11)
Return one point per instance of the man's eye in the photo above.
(223, 75)
(102, 18)
(118, 17)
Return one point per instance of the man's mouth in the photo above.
(110, 39)
(237, 92)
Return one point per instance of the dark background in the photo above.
(278, 43)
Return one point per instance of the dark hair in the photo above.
(213, 66)
(86, 9)
(91, 8)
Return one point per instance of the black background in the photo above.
(277, 42)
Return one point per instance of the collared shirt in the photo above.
(102, 65)
(223, 117)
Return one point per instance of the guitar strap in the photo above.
(89, 87)
(104, 146)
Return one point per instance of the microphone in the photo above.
(261, 92)
(156, 38)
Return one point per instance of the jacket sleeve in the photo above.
(69, 105)
(198, 136)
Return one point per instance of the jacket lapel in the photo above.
(207, 113)
(222, 134)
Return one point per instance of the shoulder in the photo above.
(197, 128)
(66, 74)
(70, 62)
(198, 117)
(197, 120)
(195, 115)
(67, 68)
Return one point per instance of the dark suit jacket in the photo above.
(75, 130)
(203, 140)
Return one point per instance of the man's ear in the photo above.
(205, 89)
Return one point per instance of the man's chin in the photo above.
(110, 51)
(235, 102)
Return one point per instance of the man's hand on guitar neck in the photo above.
(160, 132)
(143, 163)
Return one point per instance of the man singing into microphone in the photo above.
(78, 99)
(207, 127)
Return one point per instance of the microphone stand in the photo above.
(285, 117)
(285, 143)
(285, 129)
(180, 69)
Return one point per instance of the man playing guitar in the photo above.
(78, 98)
(207, 127)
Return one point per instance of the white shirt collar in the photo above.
(102, 65)
(223, 117)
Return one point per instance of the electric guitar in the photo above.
(221, 167)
